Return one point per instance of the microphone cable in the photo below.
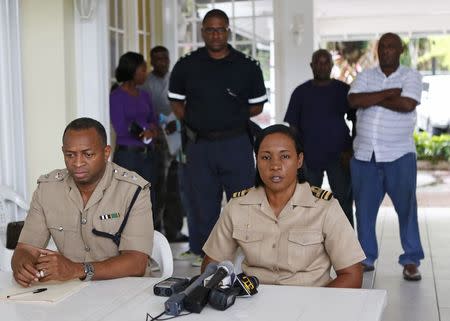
(149, 317)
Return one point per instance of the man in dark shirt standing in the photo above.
(317, 109)
(214, 91)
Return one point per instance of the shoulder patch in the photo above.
(321, 193)
(122, 174)
(241, 193)
(54, 176)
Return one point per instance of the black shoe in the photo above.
(411, 273)
(367, 268)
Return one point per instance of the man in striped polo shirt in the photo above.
(384, 152)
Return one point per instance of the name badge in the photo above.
(109, 216)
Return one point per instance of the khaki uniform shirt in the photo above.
(299, 247)
(57, 210)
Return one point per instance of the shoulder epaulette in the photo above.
(187, 55)
(241, 193)
(252, 59)
(321, 193)
(131, 177)
(53, 176)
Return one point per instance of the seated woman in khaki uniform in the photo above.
(290, 233)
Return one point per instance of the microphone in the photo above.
(174, 305)
(221, 298)
(247, 285)
(196, 301)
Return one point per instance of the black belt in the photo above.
(137, 149)
(222, 134)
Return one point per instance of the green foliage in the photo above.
(432, 148)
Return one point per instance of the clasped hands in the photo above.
(48, 266)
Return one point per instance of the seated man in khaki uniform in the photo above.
(83, 208)
(290, 233)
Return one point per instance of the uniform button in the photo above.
(87, 248)
(274, 246)
(276, 222)
(83, 221)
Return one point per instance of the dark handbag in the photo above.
(135, 129)
(12, 234)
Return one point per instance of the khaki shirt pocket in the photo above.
(304, 247)
(64, 236)
(250, 242)
(110, 226)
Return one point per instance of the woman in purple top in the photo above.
(133, 118)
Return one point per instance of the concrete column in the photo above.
(91, 61)
(295, 41)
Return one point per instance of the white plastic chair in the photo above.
(238, 259)
(7, 194)
(162, 254)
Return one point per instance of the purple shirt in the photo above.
(124, 108)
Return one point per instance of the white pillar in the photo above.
(12, 138)
(170, 25)
(294, 44)
(92, 65)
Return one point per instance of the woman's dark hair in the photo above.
(282, 129)
(128, 64)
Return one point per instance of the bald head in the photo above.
(390, 48)
(321, 65)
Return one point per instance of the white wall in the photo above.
(48, 90)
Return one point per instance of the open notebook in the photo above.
(56, 291)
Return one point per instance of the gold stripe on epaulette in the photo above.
(321, 193)
(241, 193)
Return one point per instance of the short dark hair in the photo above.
(84, 123)
(157, 49)
(321, 52)
(285, 130)
(128, 64)
(216, 13)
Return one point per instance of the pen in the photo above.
(26, 293)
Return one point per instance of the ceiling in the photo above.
(362, 19)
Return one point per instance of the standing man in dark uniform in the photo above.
(317, 110)
(214, 91)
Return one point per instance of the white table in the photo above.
(130, 299)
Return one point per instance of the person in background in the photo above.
(168, 198)
(290, 232)
(385, 98)
(317, 110)
(68, 204)
(134, 121)
(214, 91)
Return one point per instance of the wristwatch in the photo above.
(89, 271)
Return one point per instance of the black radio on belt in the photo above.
(170, 286)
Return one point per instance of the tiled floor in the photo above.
(426, 300)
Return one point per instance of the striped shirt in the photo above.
(387, 133)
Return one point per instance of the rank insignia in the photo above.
(109, 216)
